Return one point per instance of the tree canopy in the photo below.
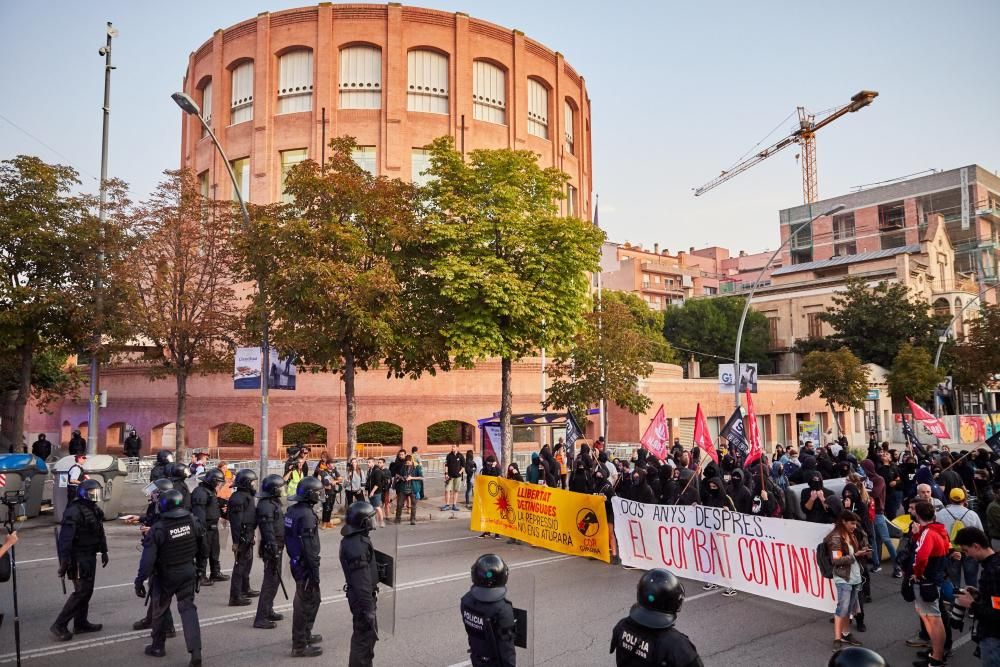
(839, 377)
(511, 269)
(707, 328)
(975, 361)
(913, 375)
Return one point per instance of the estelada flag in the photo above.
(702, 437)
(753, 433)
(656, 439)
(933, 424)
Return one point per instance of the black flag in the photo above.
(735, 434)
(911, 438)
(573, 433)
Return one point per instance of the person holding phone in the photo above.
(848, 546)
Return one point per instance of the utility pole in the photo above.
(94, 418)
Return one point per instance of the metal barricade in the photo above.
(138, 469)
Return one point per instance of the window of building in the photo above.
(489, 92)
(288, 160)
(241, 109)
(206, 106)
(710, 291)
(891, 216)
(781, 427)
(420, 161)
(241, 168)
(364, 157)
(203, 184)
(361, 77)
(427, 73)
(538, 109)
(295, 81)
(893, 240)
(568, 121)
(772, 332)
(656, 279)
(815, 325)
(571, 204)
(844, 249)
(843, 227)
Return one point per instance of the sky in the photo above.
(680, 90)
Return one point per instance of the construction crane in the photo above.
(805, 136)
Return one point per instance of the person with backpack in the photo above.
(955, 516)
(846, 546)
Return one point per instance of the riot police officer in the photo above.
(856, 656)
(159, 471)
(488, 615)
(132, 445)
(81, 538)
(647, 636)
(271, 522)
(205, 506)
(302, 543)
(357, 558)
(177, 474)
(242, 522)
(146, 522)
(174, 550)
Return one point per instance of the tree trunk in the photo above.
(836, 421)
(506, 432)
(26, 355)
(351, 400)
(180, 434)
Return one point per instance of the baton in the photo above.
(62, 577)
(280, 580)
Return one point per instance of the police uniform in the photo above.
(302, 544)
(205, 506)
(242, 524)
(148, 520)
(357, 558)
(174, 551)
(81, 538)
(180, 485)
(271, 522)
(489, 623)
(636, 645)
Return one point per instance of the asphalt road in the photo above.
(575, 602)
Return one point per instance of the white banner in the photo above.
(773, 558)
(246, 370)
(494, 443)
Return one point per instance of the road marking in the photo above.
(424, 544)
(36, 560)
(56, 649)
(461, 664)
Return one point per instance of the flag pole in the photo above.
(696, 475)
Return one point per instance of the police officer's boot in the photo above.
(61, 632)
(206, 581)
(156, 652)
(307, 651)
(195, 659)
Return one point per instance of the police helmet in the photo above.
(659, 596)
(176, 471)
(489, 571)
(856, 656)
(90, 489)
(159, 486)
(360, 518)
(271, 486)
(164, 457)
(170, 499)
(213, 478)
(246, 480)
(308, 491)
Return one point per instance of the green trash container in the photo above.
(25, 473)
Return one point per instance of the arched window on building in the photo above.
(538, 109)
(206, 105)
(295, 81)
(241, 109)
(569, 120)
(489, 92)
(361, 77)
(427, 76)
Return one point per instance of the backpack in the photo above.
(956, 526)
(824, 560)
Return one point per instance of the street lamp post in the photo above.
(753, 288)
(189, 106)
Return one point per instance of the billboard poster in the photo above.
(246, 368)
(809, 430)
(282, 372)
(728, 379)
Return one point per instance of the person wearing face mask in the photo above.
(739, 492)
(817, 501)
(640, 491)
(491, 468)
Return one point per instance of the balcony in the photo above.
(802, 242)
(777, 345)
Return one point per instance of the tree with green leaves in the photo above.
(976, 361)
(839, 377)
(49, 242)
(607, 359)
(649, 323)
(874, 322)
(512, 270)
(344, 286)
(913, 375)
(186, 303)
(707, 329)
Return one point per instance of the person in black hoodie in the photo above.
(552, 476)
(582, 479)
(491, 468)
(739, 492)
(640, 490)
(668, 485)
(805, 471)
(764, 500)
(816, 501)
(715, 495)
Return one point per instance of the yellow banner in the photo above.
(563, 521)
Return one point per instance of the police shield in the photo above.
(386, 543)
(521, 594)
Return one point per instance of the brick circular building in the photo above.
(276, 86)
